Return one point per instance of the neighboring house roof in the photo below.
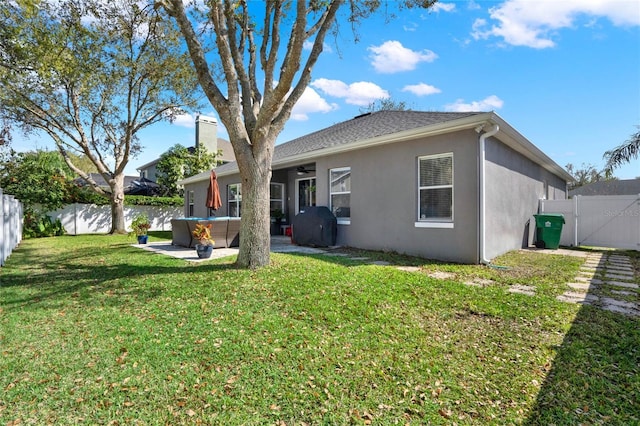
(223, 144)
(609, 187)
(227, 151)
(383, 127)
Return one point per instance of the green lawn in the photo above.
(94, 331)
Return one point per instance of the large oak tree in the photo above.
(91, 74)
(256, 71)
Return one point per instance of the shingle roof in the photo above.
(362, 127)
(609, 187)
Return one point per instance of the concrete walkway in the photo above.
(606, 280)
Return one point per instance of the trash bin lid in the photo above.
(551, 217)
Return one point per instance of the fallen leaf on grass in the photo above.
(445, 413)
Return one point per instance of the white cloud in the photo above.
(360, 93)
(411, 27)
(308, 45)
(444, 7)
(421, 89)
(185, 120)
(487, 104)
(534, 23)
(310, 102)
(391, 57)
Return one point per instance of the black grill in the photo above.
(315, 226)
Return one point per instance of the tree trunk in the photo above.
(255, 226)
(117, 205)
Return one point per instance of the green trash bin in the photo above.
(548, 230)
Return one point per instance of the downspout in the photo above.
(482, 221)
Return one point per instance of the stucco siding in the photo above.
(514, 185)
(384, 198)
(199, 199)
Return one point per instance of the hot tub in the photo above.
(225, 231)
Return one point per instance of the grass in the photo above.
(94, 331)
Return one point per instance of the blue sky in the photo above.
(565, 74)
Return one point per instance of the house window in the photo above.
(276, 201)
(234, 199)
(190, 202)
(435, 191)
(340, 193)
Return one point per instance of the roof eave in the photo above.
(431, 130)
(516, 141)
(507, 134)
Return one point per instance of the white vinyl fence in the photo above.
(91, 219)
(11, 220)
(600, 221)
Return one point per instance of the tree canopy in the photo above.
(253, 65)
(180, 162)
(586, 174)
(90, 75)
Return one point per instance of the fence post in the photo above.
(576, 214)
(2, 236)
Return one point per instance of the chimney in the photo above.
(207, 133)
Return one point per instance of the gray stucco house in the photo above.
(442, 185)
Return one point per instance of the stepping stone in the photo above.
(581, 286)
(381, 263)
(620, 261)
(439, 275)
(335, 254)
(625, 266)
(408, 268)
(617, 276)
(572, 297)
(582, 278)
(623, 292)
(618, 257)
(588, 274)
(624, 304)
(594, 259)
(480, 282)
(522, 289)
(359, 258)
(628, 272)
(620, 310)
(624, 285)
(620, 306)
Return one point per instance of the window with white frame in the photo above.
(435, 188)
(340, 193)
(234, 199)
(191, 202)
(276, 197)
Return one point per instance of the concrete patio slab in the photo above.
(278, 245)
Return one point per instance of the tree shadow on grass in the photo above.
(48, 282)
(595, 376)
